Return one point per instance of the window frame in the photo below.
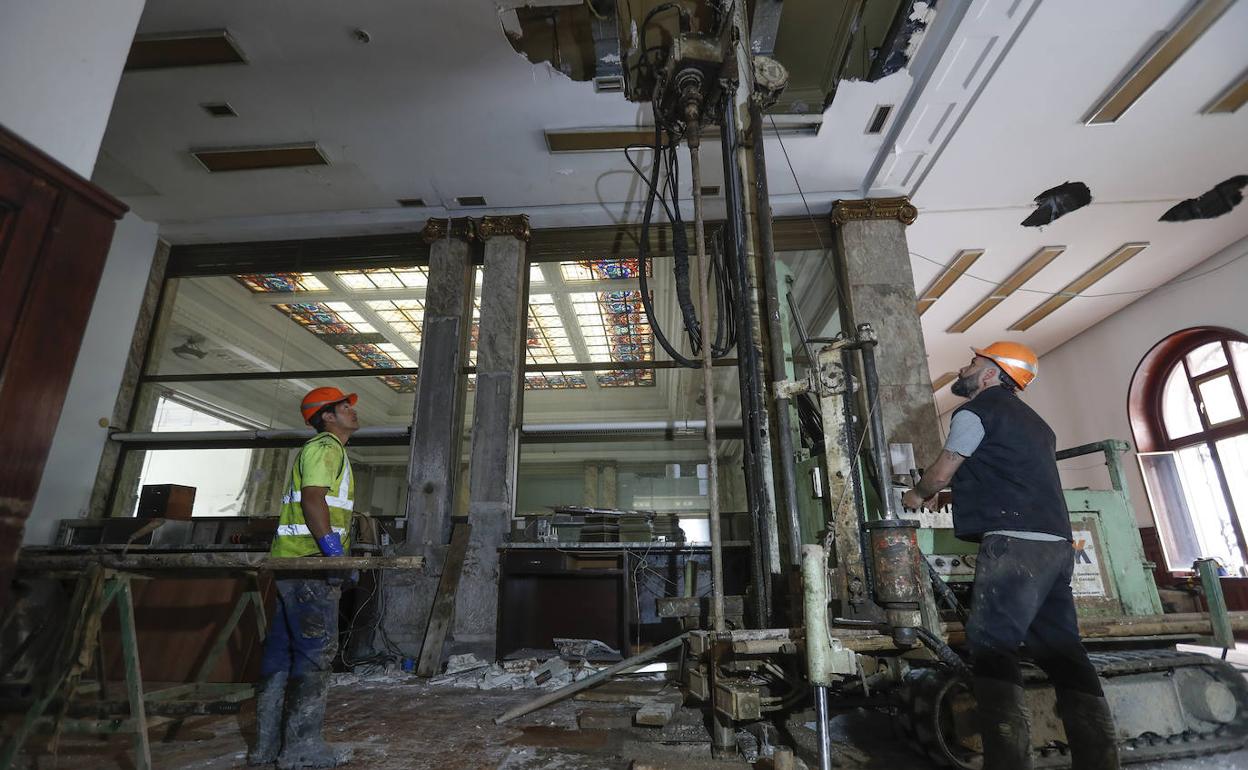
(1147, 416)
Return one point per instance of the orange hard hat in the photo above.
(1018, 360)
(319, 398)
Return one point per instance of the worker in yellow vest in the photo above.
(303, 634)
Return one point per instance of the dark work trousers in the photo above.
(1022, 596)
(303, 632)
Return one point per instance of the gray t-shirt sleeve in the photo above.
(966, 430)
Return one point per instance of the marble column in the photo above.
(497, 411)
(877, 287)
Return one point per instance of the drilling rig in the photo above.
(867, 608)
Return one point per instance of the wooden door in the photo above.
(55, 232)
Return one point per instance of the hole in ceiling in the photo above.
(1057, 202)
(471, 200)
(219, 110)
(412, 203)
(1220, 200)
(879, 118)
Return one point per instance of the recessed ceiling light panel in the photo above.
(1103, 268)
(183, 49)
(952, 272)
(255, 158)
(1024, 273)
(1154, 64)
(1232, 98)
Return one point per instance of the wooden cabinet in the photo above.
(55, 232)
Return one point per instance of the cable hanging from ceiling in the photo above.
(663, 185)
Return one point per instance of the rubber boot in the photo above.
(270, 699)
(305, 717)
(1090, 730)
(1003, 725)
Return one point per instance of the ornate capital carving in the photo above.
(436, 229)
(516, 226)
(898, 208)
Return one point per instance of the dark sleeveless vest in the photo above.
(1011, 480)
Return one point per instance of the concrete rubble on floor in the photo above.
(469, 671)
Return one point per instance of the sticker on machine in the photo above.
(1087, 580)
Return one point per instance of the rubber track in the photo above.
(917, 716)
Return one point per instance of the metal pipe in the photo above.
(400, 432)
(821, 717)
(590, 681)
(775, 350)
(411, 371)
(747, 355)
(871, 382)
(811, 362)
(708, 389)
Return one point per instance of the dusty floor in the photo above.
(411, 726)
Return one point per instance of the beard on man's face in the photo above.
(966, 386)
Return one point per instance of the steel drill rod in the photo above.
(871, 381)
(747, 372)
(588, 682)
(708, 389)
(775, 348)
(821, 716)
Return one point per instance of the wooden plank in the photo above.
(443, 611)
(658, 711)
(134, 677)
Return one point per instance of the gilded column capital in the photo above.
(517, 226)
(441, 228)
(898, 208)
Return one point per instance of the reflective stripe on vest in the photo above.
(317, 458)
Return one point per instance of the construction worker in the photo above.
(1007, 496)
(303, 633)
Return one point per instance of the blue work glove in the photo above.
(330, 544)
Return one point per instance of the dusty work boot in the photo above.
(1090, 730)
(305, 717)
(1003, 724)
(270, 699)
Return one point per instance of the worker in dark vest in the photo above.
(1007, 496)
(303, 633)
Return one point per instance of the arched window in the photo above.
(1190, 417)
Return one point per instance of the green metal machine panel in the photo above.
(1109, 555)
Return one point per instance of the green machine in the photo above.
(1112, 576)
(883, 593)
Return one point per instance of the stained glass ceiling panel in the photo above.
(601, 270)
(266, 283)
(611, 324)
(385, 278)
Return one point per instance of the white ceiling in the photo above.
(438, 105)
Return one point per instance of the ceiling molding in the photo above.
(1231, 99)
